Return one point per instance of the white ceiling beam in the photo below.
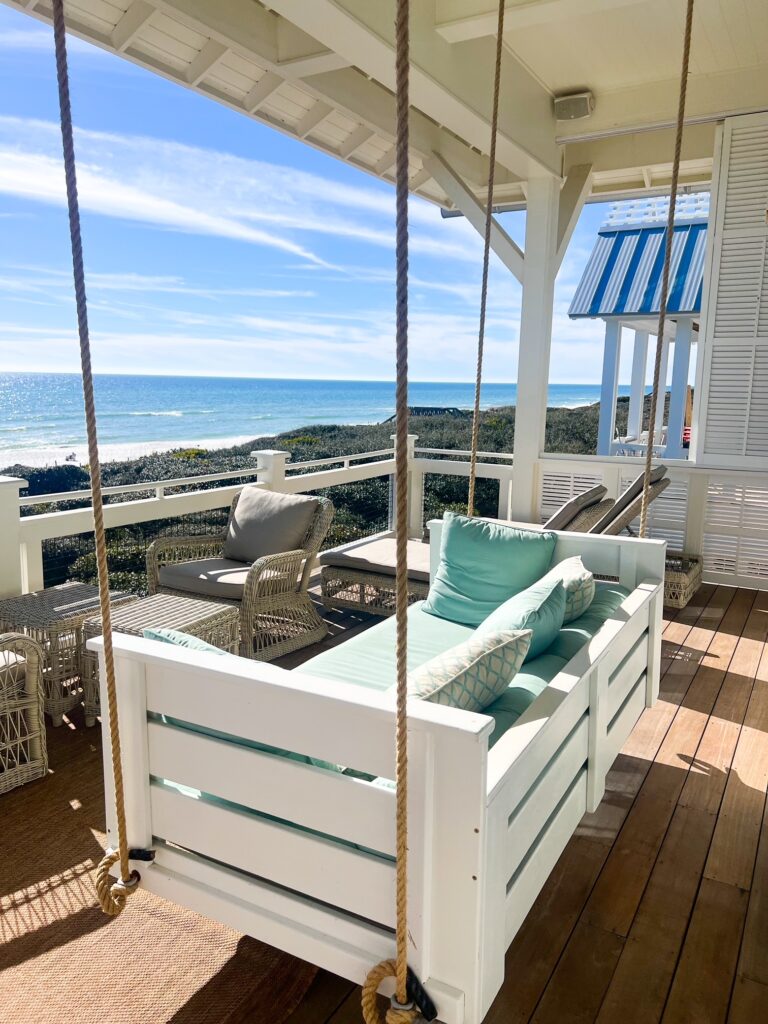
(299, 54)
(260, 93)
(455, 94)
(386, 162)
(573, 195)
(205, 61)
(510, 254)
(373, 106)
(420, 178)
(355, 140)
(131, 23)
(458, 21)
(631, 153)
(312, 118)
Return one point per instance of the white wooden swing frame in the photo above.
(485, 827)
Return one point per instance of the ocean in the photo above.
(41, 414)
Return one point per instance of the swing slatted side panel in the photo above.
(217, 795)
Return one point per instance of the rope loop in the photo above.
(113, 895)
(397, 1013)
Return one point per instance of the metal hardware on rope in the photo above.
(486, 261)
(112, 895)
(664, 295)
(401, 1010)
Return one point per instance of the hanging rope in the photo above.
(664, 295)
(401, 1011)
(486, 260)
(112, 895)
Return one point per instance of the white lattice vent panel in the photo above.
(557, 488)
(736, 529)
(667, 514)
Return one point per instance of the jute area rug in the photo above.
(62, 960)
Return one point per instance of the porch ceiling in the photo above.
(323, 72)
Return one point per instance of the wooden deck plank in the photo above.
(753, 963)
(734, 845)
(325, 996)
(617, 893)
(748, 1003)
(641, 982)
(701, 989)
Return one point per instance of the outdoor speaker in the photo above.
(575, 106)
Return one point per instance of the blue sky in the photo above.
(216, 245)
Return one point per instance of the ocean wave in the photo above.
(164, 412)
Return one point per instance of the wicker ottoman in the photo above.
(54, 618)
(361, 575)
(22, 730)
(217, 624)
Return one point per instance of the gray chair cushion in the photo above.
(568, 512)
(267, 523)
(379, 557)
(626, 498)
(209, 577)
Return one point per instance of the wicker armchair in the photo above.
(23, 754)
(277, 615)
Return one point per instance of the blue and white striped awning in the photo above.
(623, 275)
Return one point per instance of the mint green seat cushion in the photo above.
(368, 659)
(179, 639)
(535, 675)
(540, 608)
(482, 564)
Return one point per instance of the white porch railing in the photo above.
(719, 513)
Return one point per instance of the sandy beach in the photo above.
(57, 456)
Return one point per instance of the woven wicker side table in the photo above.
(54, 618)
(22, 730)
(217, 624)
(682, 578)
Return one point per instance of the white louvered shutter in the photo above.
(735, 382)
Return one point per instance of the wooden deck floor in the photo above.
(658, 908)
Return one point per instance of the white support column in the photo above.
(609, 386)
(270, 464)
(637, 389)
(415, 492)
(662, 391)
(535, 342)
(680, 366)
(10, 536)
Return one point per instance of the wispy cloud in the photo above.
(203, 191)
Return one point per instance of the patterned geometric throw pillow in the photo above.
(474, 673)
(578, 583)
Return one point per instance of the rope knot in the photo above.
(397, 1013)
(113, 895)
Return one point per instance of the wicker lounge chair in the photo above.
(261, 563)
(22, 730)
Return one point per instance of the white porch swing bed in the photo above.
(302, 857)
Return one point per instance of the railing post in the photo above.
(695, 512)
(415, 493)
(10, 536)
(270, 464)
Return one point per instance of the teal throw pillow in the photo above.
(472, 674)
(540, 608)
(175, 636)
(578, 583)
(482, 564)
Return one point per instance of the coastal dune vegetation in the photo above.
(361, 508)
